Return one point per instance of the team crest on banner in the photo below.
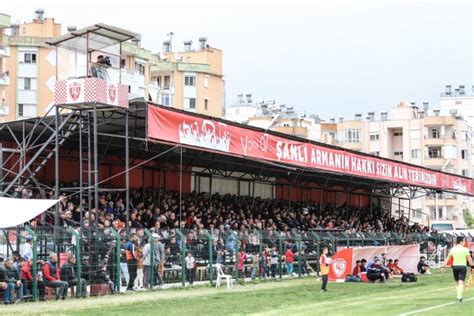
(75, 92)
(339, 267)
(112, 92)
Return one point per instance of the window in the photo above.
(434, 152)
(190, 81)
(206, 101)
(464, 154)
(30, 58)
(375, 153)
(206, 81)
(351, 135)
(26, 110)
(189, 103)
(166, 99)
(435, 133)
(398, 134)
(20, 109)
(416, 213)
(415, 154)
(374, 137)
(398, 155)
(465, 173)
(166, 82)
(457, 102)
(140, 68)
(122, 63)
(27, 84)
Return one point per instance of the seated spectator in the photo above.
(103, 277)
(68, 274)
(396, 267)
(51, 276)
(357, 268)
(376, 272)
(423, 267)
(11, 277)
(363, 265)
(27, 278)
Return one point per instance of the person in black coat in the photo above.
(68, 274)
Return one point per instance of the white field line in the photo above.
(434, 307)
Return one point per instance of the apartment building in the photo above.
(191, 80)
(419, 136)
(4, 74)
(280, 118)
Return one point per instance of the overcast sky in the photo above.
(327, 57)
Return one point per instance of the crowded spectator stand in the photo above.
(224, 193)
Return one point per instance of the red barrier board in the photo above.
(214, 135)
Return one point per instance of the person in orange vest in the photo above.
(324, 262)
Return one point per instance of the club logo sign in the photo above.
(339, 267)
(112, 91)
(75, 89)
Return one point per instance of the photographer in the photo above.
(99, 69)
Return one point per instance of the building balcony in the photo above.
(153, 91)
(4, 51)
(351, 145)
(441, 202)
(4, 79)
(439, 120)
(441, 140)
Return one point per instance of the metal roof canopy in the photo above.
(94, 37)
(111, 131)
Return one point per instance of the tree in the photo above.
(468, 218)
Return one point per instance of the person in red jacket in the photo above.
(289, 258)
(357, 269)
(51, 277)
(27, 278)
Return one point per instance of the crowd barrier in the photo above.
(100, 249)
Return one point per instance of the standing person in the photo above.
(190, 266)
(138, 284)
(289, 258)
(147, 264)
(304, 263)
(274, 260)
(324, 262)
(242, 256)
(123, 263)
(51, 277)
(26, 249)
(460, 256)
(255, 266)
(131, 253)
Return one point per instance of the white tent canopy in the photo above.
(14, 212)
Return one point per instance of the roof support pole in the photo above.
(127, 174)
(56, 174)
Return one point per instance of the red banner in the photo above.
(341, 265)
(187, 129)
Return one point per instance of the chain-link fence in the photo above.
(104, 261)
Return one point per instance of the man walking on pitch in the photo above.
(460, 256)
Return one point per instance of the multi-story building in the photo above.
(4, 75)
(280, 118)
(417, 136)
(191, 80)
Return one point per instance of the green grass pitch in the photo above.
(287, 297)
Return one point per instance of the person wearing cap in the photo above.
(26, 249)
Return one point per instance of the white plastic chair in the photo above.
(221, 275)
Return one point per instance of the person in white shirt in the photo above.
(26, 249)
(190, 267)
